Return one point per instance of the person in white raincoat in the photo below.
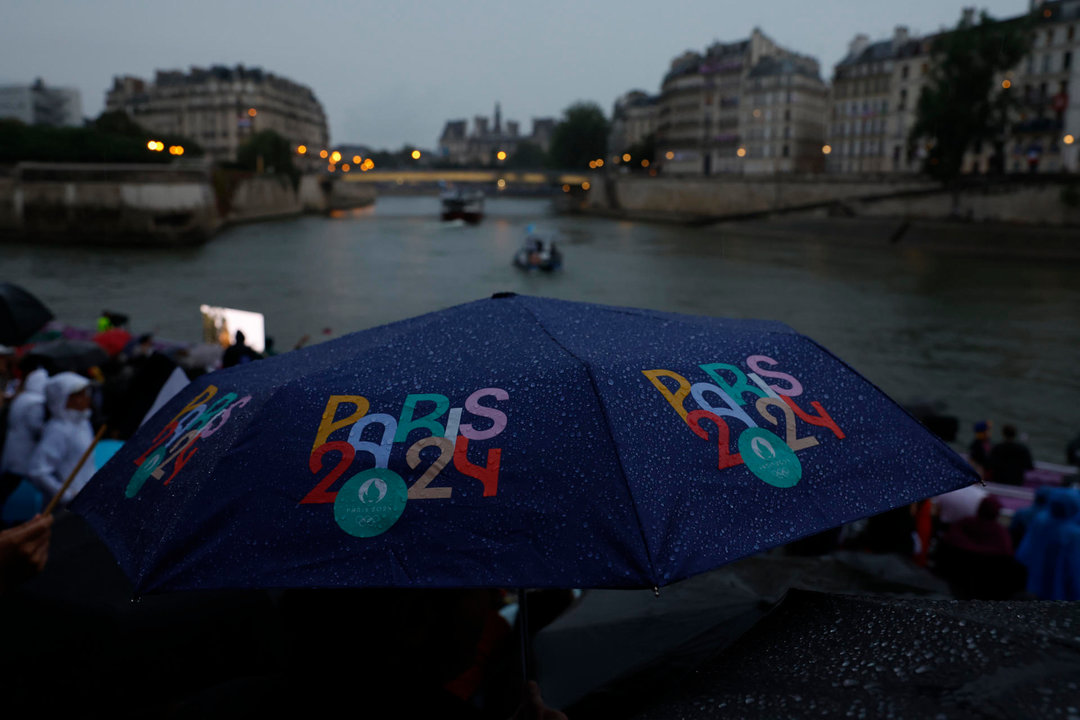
(26, 420)
(66, 437)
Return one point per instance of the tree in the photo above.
(276, 154)
(965, 103)
(527, 156)
(580, 136)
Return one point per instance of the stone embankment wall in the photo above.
(150, 204)
(719, 198)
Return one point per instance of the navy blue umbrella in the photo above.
(510, 442)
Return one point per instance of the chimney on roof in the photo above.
(900, 36)
(858, 44)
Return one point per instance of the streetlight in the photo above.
(826, 149)
(585, 185)
(415, 154)
(356, 159)
(669, 155)
(599, 162)
(501, 155)
(741, 152)
(626, 157)
(1068, 139)
(252, 112)
(301, 149)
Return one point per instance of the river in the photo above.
(992, 337)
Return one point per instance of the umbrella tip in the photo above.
(501, 295)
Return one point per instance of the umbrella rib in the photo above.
(611, 439)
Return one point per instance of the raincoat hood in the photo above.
(59, 388)
(35, 382)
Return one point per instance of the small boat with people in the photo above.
(539, 252)
(459, 205)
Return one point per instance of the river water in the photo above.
(992, 337)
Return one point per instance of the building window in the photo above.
(904, 72)
(1046, 63)
(787, 115)
(1066, 61)
(1071, 32)
(784, 151)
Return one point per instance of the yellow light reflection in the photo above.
(323, 154)
(415, 154)
(1068, 139)
(331, 168)
(592, 164)
(335, 157)
(585, 185)
(741, 152)
(252, 112)
(645, 163)
(566, 188)
(152, 145)
(345, 167)
(669, 155)
(356, 159)
(826, 149)
(300, 150)
(1006, 84)
(501, 155)
(626, 157)
(501, 183)
(600, 162)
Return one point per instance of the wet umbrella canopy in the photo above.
(821, 655)
(21, 314)
(70, 355)
(509, 442)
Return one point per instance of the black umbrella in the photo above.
(69, 355)
(21, 314)
(827, 655)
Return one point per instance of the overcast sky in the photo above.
(390, 73)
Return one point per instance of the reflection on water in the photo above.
(993, 338)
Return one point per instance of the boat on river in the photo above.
(467, 206)
(539, 252)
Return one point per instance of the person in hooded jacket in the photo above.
(26, 420)
(66, 436)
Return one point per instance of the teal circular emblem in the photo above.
(149, 465)
(769, 458)
(369, 503)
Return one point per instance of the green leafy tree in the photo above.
(580, 136)
(964, 104)
(266, 151)
(527, 156)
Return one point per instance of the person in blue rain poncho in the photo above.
(66, 437)
(1043, 549)
(26, 420)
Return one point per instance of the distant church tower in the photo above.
(498, 120)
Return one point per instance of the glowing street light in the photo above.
(669, 155)
(599, 162)
(252, 112)
(356, 159)
(415, 154)
(176, 149)
(301, 149)
(501, 155)
(645, 163)
(1006, 84)
(585, 185)
(335, 157)
(741, 152)
(592, 164)
(323, 154)
(345, 167)
(566, 188)
(826, 149)
(501, 184)
(626, 157)
(1068, 139)
(331, 168)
